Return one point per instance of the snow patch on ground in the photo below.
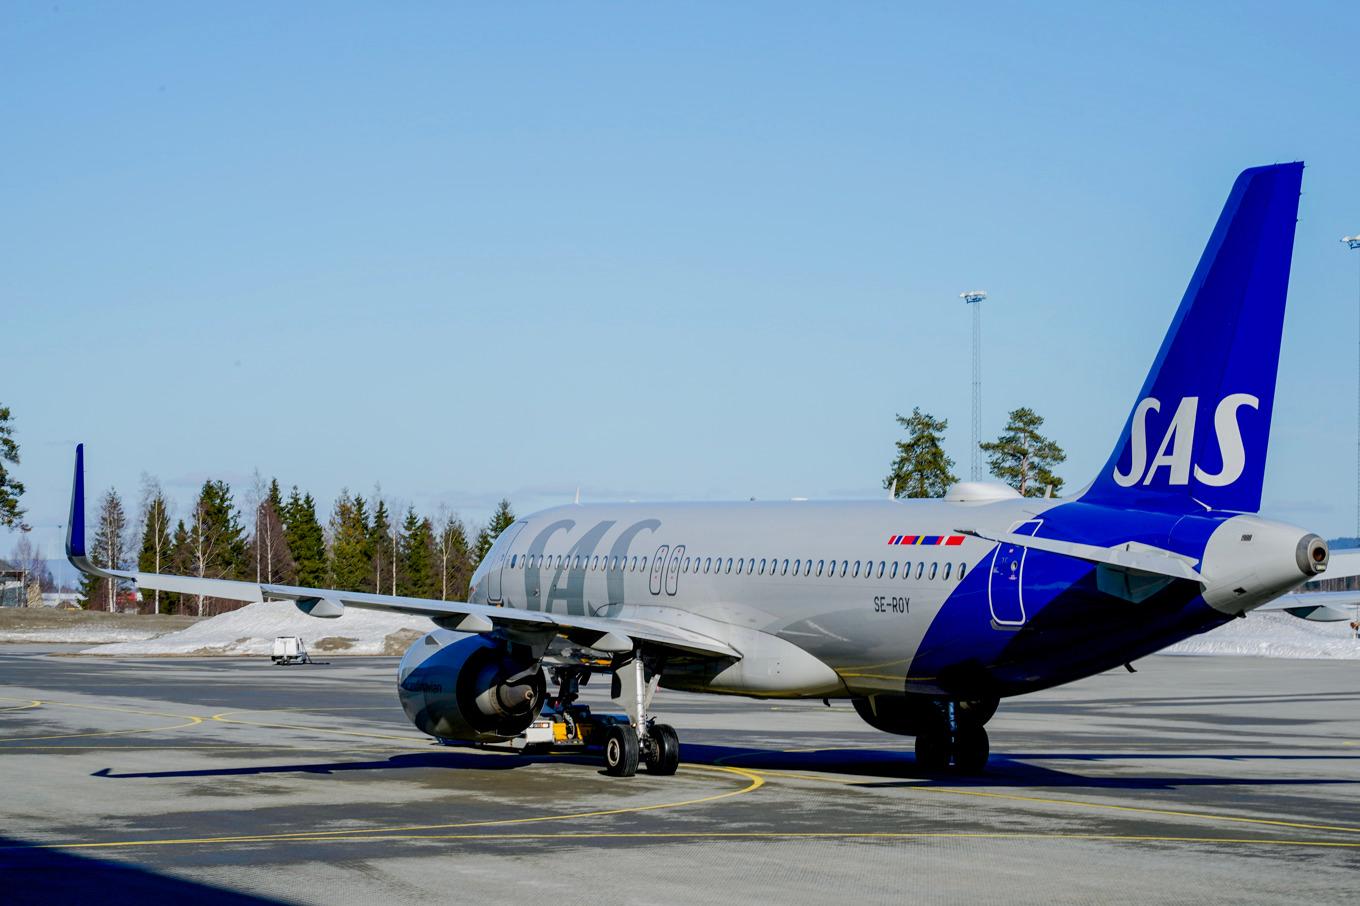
(252, 629)
(77, 635)
(1273, 635)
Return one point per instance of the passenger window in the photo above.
(821, 564)
(797, 567)
(948, 568)
(963, 569)
(934, 567)
(893, 574)
(595, 562)
(784, 571)
(708, 564)
(855, 574)
(845, 568)
(920, 569)
(728, 571)
(881, 566)
(642, 564)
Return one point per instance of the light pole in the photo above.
(1353, 243)
(974, 298)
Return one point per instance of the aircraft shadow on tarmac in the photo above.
(885, 767)
(878, 767)
(34, 874)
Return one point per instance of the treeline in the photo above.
(363, 546)
(1021, 457)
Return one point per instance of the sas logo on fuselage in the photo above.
(1178, 443)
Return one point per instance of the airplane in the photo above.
(923, 613)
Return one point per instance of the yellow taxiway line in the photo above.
(754, 783)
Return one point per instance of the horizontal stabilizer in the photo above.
(1130, 556)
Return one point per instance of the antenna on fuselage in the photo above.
(578, 493)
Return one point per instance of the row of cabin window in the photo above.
(879, 569)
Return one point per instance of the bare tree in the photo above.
(29, 558)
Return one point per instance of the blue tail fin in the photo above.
(75, 526)
(1200, 427)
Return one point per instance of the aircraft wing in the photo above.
(1318, 606)
(601, 633)
(1342, 564)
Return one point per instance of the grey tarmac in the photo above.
(231, 780)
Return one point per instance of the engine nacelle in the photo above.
(469, 688)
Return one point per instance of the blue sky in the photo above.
(699, 251)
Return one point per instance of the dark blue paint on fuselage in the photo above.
(1072, 629)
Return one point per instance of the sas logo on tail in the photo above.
(1178, 443)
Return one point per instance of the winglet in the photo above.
(75, 526)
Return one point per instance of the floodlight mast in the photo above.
(1353, 243)
(974, 298)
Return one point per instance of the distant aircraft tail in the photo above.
(1200, 426)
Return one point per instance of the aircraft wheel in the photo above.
(971, 750)
(932, 752)
(663, 755)
(620, 751)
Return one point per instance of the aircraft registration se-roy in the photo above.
(923, 613)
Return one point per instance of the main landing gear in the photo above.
(956, 741)
(658, 749)
(640, 739)
(949, 733)
(627, 740)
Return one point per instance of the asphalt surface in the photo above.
(231, 780)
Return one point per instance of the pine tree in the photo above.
(181, 563)
(305, 539)
(921, 468)
(1024, 458)
(10, 488)
(109, 551)
(501, 520)
(415, 571)
(452, 564)
(217, 540)
(351, 553)
(154, 556)
(383, 547)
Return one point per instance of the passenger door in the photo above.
(673, 573)
(499, 556)
(1005, 595)
(659, 568)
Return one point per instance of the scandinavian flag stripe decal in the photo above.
(950, 540)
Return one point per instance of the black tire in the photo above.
(932, 752)
(971, 750)
(620, 751)
(663, 756)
